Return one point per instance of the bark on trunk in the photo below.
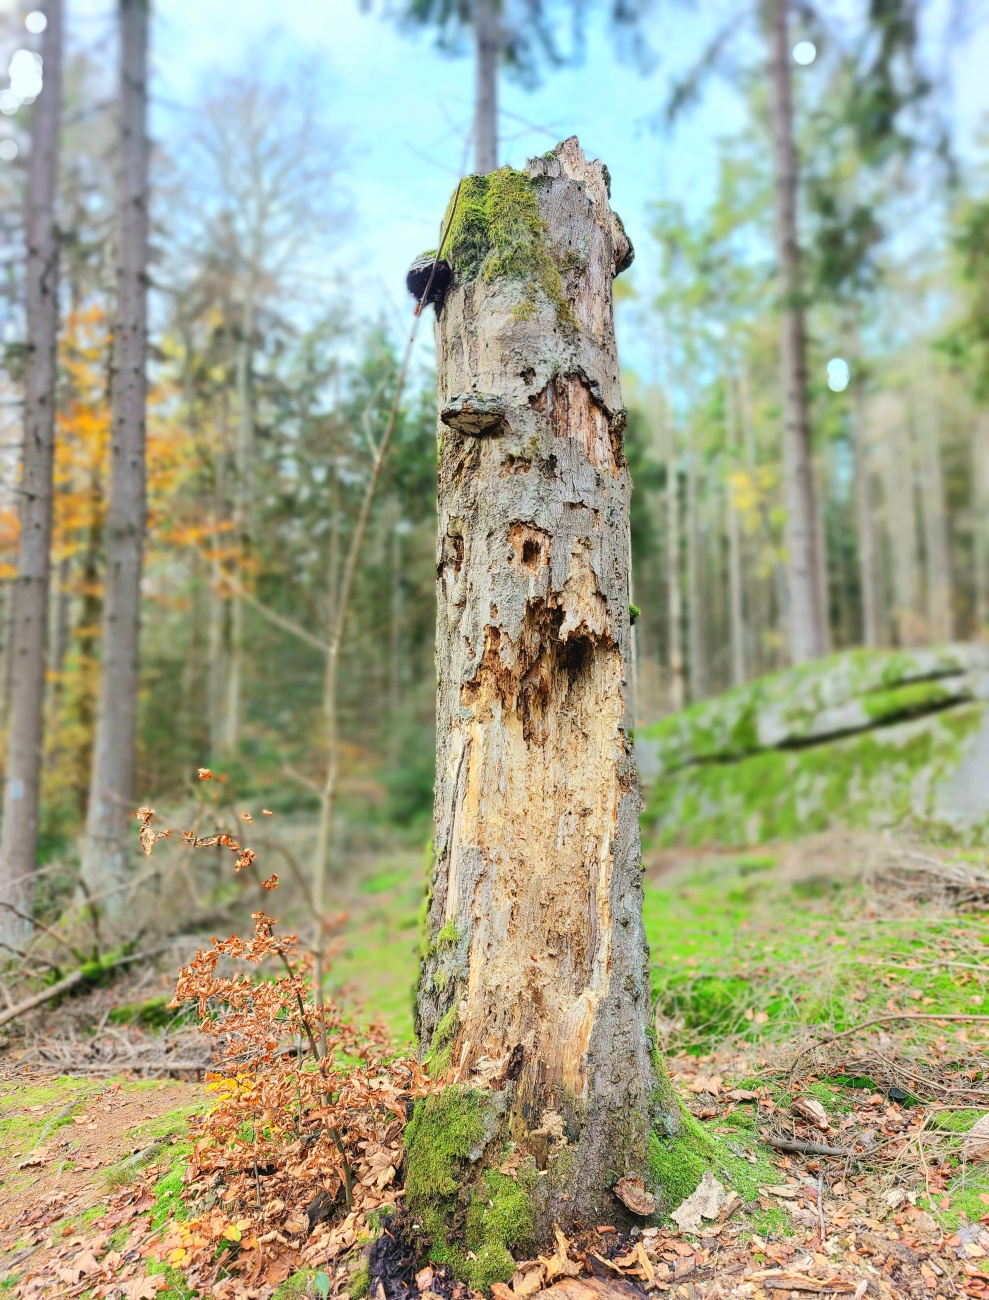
(805, 568)
(535, 986)
(30, 596)
(487, 41)
(106, 857)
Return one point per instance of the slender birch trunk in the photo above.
(737, 630)
(805, 567)
(487, 51)
(29, 641)
(534, 987)
(106, 856)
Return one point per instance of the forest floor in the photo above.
(827, 992)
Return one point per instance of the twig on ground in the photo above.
(880, 1020)
(808, 1148)
(73, 979)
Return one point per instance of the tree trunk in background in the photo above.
(805, 568)
(537, 973)
(980, 521)
(870, 578)
(736, 579)
(106, 856)
(243, 513)
(29, 642)
(887, 422)
(677, 686)
(696, 648)
(488, 43)
(937, 547)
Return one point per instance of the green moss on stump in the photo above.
(472, 1231)
(497, 233)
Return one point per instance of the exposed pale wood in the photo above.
(537, 886)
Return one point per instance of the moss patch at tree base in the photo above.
(471, 1220)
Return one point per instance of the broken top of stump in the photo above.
(476, 414)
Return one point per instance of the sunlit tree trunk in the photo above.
(106, 856)
(536, 976)
(805, 567)
(29, 640)
(487, 52)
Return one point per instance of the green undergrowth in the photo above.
(759, 956)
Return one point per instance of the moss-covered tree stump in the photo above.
(534, 989)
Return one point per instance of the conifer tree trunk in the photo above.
(535, 987)
(807, 598)
(106, 855)
(487, 50)
(675, 588)
(29, 630)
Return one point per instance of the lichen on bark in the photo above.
(534, 987)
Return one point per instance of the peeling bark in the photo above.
(536, 980)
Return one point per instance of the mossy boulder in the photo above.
(862, 738)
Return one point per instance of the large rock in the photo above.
(866, 738)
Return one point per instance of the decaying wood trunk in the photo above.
(536, 984)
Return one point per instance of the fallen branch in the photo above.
(84, 975)
(806, 1148)
(880, 1020)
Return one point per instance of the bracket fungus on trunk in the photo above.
(475, 414)
(534, 987)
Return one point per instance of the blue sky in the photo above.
(405, 110)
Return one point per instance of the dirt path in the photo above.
(66, 1145)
